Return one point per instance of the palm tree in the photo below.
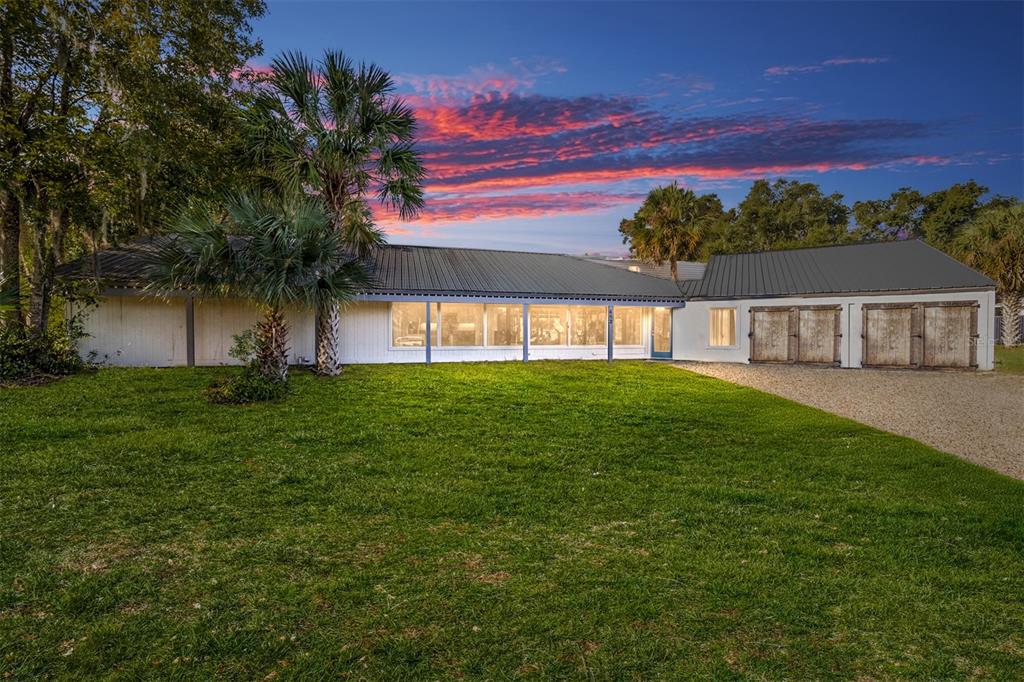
(274, 252)
(336, 131)
(670, 226)
(994, 244)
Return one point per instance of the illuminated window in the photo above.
(462, 324)
(629, 325)
(589, 325)
(722, 327)
(504, 325)
(549, 325)
(409, 324)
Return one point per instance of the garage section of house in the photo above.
(891, 304)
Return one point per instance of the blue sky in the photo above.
(542, 125)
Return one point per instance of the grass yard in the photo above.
(492, 521)
(1010, 360)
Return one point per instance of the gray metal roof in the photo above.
(438, 271)
(684, 269)
(908, 265)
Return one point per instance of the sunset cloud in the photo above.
(792, 70)
(495, 148)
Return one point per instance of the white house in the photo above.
(898, 304)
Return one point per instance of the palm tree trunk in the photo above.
(1011, 319)
(272, 346)
(328, 326)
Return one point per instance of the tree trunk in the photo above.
(272, 346)
(674, 270)
(328, 326)
(10, 253)
(1011, 319)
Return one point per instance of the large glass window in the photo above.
(504, 325)
(629, 326)
(589, 325)
(409, 324)
(462, 324)
(549, 325)
(722, 327)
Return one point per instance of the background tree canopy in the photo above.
(789, 214)
(112, 112)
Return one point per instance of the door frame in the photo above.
(662, 355)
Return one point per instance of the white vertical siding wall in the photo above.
(690, 325)
(218, 321)
(128, 331)
(151, 332)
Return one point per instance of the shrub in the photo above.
(251, 386)
(248, 387)
(26, 357)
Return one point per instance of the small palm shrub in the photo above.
(276, 252)
(254, 384)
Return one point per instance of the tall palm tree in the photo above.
(274, 252)
(994, 244)
(336, 131)
(670, 226)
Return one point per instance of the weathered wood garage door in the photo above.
(769, 334)
(929, 335)
(807, 334)
(819, 335)
(950, 335)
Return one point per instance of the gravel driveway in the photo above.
(976, 415)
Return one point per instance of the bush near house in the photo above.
(490, 521)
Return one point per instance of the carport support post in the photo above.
(611, 330)
(526, 332)
(190, 332)
(429, 335)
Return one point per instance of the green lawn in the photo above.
(1010, 360)
(492, 521)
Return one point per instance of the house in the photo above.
(893, 304)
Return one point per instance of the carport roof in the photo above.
(908, 265)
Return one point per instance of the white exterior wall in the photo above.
(366, 339)
(150, 332)
(218, 321)
(135, 332)
(690, 325)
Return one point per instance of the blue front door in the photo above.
(661, 333)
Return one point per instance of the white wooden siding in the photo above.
(690, 327)
(218, 321)
(128, 331)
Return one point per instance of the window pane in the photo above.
(662, 323)
(409, 323)
(723, 327)
(629, 325)
(549, 325)
(462, 324)
(589, 325)
(504, 325)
